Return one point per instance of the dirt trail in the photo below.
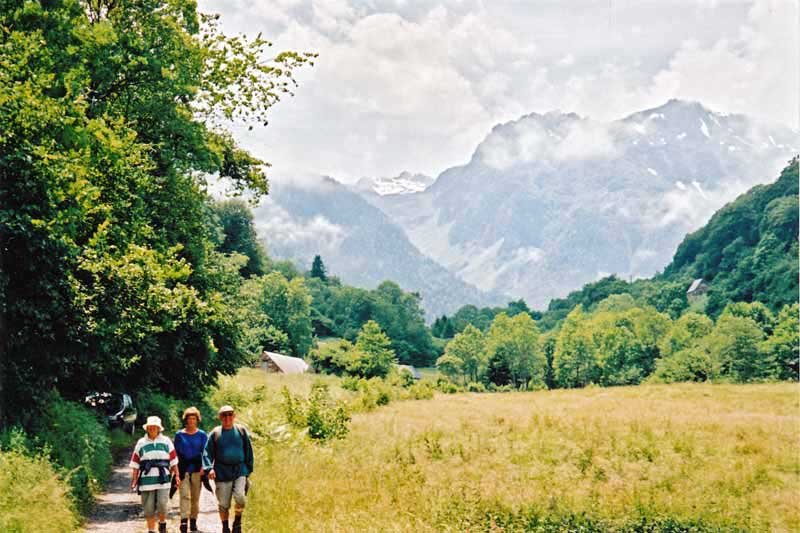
(118, 509)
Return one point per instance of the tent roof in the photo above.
(288, 365)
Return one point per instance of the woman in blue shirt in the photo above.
(189, 444)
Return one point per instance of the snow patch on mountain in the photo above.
(405, 183)
(704, 128)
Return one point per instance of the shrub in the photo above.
(72, 437)
(325, 418)
(421, 391)
(474, 386)
(446, 386)
(351, 383)
(401, 377)
(501, 388)
(32, 496)
(165, 407)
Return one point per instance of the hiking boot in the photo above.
(192, 524)
(162, 527)
(237, 524)
(184, 525)
(225, 528)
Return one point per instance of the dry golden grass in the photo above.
(719, 455)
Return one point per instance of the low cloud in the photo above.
(278, 228)
(551, 138)
(691, 206)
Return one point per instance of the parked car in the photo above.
(117, 409)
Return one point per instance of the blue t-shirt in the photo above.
(190, 448)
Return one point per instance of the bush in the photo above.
(165, 407)
(351, 383)
(75, 440)
(446, 386)
(401, 377)
(325, 418)
(421, 391)
(474, 386)
(32, 496)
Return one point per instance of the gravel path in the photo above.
(118, 509)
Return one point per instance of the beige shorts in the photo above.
(155, 501)
(227, 490)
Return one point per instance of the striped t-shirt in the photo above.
(148, 449)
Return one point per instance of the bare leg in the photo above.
(151, 523)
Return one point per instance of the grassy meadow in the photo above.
(686, 457)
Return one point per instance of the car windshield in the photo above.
(110, 404)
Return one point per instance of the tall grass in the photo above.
(33, 498)
(650, 458)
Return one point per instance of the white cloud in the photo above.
(419, 84)
(586, 139)
(551, 137)
(282, 229)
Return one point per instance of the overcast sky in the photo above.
(417, 84)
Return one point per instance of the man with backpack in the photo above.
(228, 459)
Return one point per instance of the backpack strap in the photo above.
(216, 433)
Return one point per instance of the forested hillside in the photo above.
(748, 251)
(616, 332)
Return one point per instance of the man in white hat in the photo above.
(152, 462)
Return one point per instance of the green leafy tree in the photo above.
(783, 346)
(574, 361)
(239, 236)
(512, 348)
(734, 343)
(109, 115)
(450, 365)
(318, 269)
(466, 352)
(755, 311)
(685, 332)
(284, 305)
(376, 357)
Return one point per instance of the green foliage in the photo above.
(318, 269)
(341, 311)
(471, 513)
(692, 363)
(278, 313)
(783, 347)
(443, 328)
(482, 318)
(734, 344)
(574, 361)
(465, 355)
(109, 116)
(165, 407)
(239, 236)
(324, 418)
(685, 332)
(71, 436)
(512, 350)
(373, 355)
(473, 386)
(748, 250)
(33, 497)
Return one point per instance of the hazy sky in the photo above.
(417, 84)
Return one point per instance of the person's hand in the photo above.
(212, 475)
(177, 482)
(133, 484)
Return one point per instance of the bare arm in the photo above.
(134, 477)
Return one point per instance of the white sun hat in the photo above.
(153, 421)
